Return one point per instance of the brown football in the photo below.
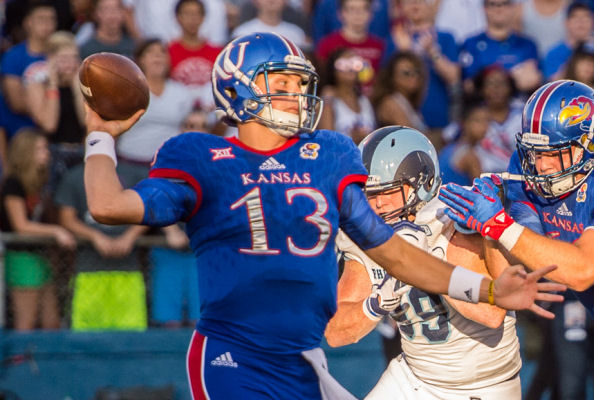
(113, 85)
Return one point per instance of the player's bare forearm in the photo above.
(348, 325)
(68, 219)
(574, 260)
(12, 87)
(411, 265)
(108, 201)
(468, 251)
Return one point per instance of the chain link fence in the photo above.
(45, 287)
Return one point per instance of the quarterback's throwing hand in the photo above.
(115, 128)
(515, 289)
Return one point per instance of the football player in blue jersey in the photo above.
(551, 191)
(262, 212)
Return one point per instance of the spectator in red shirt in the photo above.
(354, 34)
(192, 57)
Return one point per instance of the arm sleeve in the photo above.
(526, 215)
(9, 65)
(13, 187)
(467, 61)
(449, 48)
(166, 201)
(359, 222)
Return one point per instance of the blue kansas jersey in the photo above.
(564, 218)
(263, 231)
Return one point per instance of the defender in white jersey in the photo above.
(451, 350)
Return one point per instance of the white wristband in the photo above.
(509, 237)
(465, 285)
(98, 142)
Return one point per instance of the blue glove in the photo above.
(479, 209)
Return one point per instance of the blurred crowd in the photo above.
(457, 70)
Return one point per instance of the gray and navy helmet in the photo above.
(398, 155)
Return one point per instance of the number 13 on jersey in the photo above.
(255, 209)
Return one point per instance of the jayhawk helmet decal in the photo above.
(398, 155)
(238, 98)
(557, 121)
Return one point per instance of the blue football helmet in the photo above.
(398, 155)
(557, 120)
(239, 99)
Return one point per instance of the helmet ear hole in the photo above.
(231, 92)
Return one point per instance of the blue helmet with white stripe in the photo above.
(396, 156)
(239, 99)
(557, 122)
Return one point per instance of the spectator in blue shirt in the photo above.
(325, 19)
(416, 32)
(578, 25)
(500, 45)
(39, 23)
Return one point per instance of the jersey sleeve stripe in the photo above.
(355, 178)
(529, 205)
(179, 174)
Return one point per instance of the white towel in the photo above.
(330, 388)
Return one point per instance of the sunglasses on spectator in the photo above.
(351, 64)
(497, 3)
(409, 73)
(418, 2)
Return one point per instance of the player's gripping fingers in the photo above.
(453, 204)
(496, 179)
(454, 201)
(94, 122)
(455, 216)
(456, 193)
(538, 310)
(486, 187)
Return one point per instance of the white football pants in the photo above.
(399, 383)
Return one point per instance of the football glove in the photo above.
(480, 209)
(384, 298)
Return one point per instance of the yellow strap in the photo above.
(491, 295)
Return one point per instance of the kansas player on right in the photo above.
(555, 204)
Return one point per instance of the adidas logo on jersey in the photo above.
(224, 360)
(271, 164)
(563, 210)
